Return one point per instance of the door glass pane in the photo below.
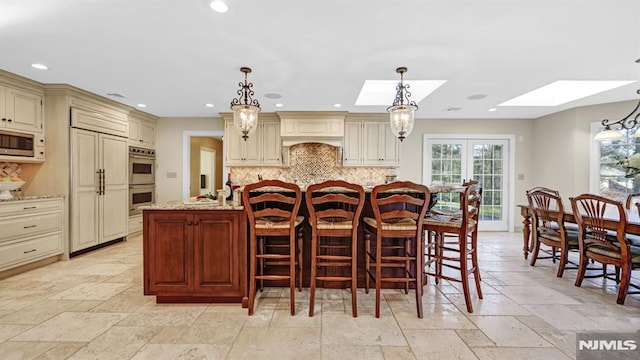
(487, 167)
(446, 167)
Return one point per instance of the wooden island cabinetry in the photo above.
(195, 254)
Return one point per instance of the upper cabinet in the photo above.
(21, 110)
(370, 142)
(262, 148)
(142, 129)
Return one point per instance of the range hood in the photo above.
(311, 127)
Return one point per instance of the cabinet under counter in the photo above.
(195, 254)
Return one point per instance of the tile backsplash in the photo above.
(311, 163)
(10, 170)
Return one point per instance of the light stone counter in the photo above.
(180, 205)
(34, 197)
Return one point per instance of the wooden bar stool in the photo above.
(460, 255)
(272, 208)
(395, 234)
(334, 213)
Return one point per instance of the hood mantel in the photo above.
(298, 127)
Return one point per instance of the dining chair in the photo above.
(548, 227)
(460, 255)
(602, 222)
(272, 209)
(393, 238)
(334, 214)
(632, 200)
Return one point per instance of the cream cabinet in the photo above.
(31, 230)
(240, 152)
(271, 143)
(142, 130)
(263, 147)
(135, 223)
(21, 110)
(370, 143)
(352, 147)
(99, 188)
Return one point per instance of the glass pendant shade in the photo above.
(245, 119)
(401, 119)
(608, 135)
(245, 108)
(402, 111)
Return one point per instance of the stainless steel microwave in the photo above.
(16, 144)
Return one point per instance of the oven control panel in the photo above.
(141, 151)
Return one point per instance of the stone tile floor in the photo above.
(92, 307)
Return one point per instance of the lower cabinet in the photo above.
(135, 224)
(31, 230)
(195, 255)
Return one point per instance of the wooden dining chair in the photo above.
(632, 200)
(602, 223)
(272, 209)
(460, 255)
(334, 214)
(548, 227)
(393, 238)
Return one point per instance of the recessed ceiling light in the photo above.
(272, 96)
(477, 97)
(563, 91)
(337, 105)
(208, 105)
(279, 105)
(40, 66)
(382, 92)
(492, 109)
(142, 105)
(219, 6)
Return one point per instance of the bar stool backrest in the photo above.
(335, 201)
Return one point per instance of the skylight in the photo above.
(382, 92)
(563, 91)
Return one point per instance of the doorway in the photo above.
(192, 141)
(208, 178)
(487, 159)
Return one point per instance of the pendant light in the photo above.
(402, 112)
(628, 122)
(245, 108)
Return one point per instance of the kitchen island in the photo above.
(195, 253)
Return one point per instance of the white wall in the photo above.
(561, 151)
(169, 152)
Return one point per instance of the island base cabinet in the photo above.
(195, 256)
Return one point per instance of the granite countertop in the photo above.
(33, 197)
(367, 189)
(185, 205)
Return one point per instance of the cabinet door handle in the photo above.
(3, 119)
(29, 226)
(30, 251)
(196, 223)
(29, 207)
(189, 223)
(9, 120)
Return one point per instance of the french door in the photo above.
(455, 160)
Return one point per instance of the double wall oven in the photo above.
(142, 178)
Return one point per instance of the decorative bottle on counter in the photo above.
(228, 186)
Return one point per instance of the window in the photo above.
(613, 180)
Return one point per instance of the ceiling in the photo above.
(175, 56)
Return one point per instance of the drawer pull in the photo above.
(29, 207)
(29, 226)
(30, 251)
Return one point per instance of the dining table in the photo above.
(632, 227)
